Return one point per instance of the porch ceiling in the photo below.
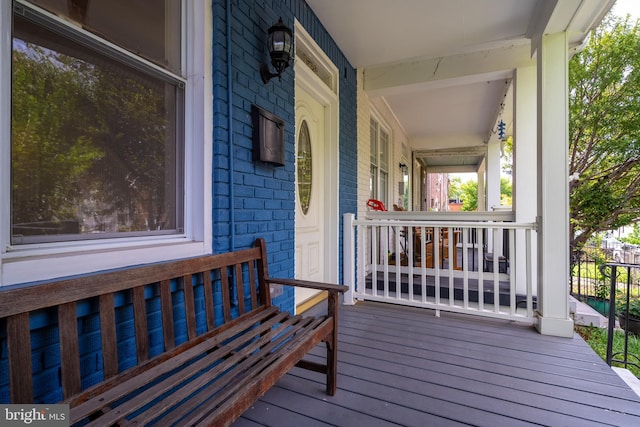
(442, 66)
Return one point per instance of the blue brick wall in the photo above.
(263, 195)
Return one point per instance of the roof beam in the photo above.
(576, 17)
(468, 67)
(452, 169)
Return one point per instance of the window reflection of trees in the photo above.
(93, 144)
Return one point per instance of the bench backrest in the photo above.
(92, 323)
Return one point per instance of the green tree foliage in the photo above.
(469, 194)
(604, 123)
(91, 144)
(49, 153)
(469, 190)
(454, 187)
(634, 236)
(507, 156)
(505, 191)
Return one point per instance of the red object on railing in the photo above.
(376, 205)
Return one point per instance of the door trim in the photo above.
(322, 84)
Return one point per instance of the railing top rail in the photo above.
(622, 264)
(506, 216)
(445, 224)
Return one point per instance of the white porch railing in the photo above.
(433, 261)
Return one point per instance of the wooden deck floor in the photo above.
(404, 366)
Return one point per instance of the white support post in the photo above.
(493, 188)
(524, 176)
(482, 200)
(493, 174)
(553, 190)
(349, 258)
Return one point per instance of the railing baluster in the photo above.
(496, 273)
(374, 259)
(410, 259)
(480, 244)
(465, 265)
(423, 263)
(449, 249)
(385, 261)
(398, 256)
(512, 272)
(529, 274)
(435, 245)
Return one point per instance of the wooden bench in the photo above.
(226, 359)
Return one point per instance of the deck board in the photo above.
(404, 366)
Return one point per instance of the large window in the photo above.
(97, 137)
(99, 124)
(379, 162)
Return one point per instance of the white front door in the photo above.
(310, 189)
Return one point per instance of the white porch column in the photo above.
(553, 191)
(524, 156)
(492, 185)
(482, 202)
(493, 173)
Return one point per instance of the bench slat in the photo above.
(140, 321)
(69, 350)
(266, 375)
(184, 381)
(104, 395)
(189, 305)
(166, 304)
(226, 298)
(19, 352)
(239, 288)
(252, 287)
(208, 300)
(249, 385)
(141, 369)
(232, 380)
(108, 336)
(263, 273)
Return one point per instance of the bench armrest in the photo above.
(308, 284)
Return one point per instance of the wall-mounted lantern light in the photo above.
(280, 45)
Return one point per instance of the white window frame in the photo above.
(382, 126)
(36, 262)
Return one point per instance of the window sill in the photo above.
(30, 265)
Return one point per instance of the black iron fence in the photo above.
(589, 283)
(624, 298)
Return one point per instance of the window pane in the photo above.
(373, 182)
(373, 142)
(384, 185)
(384, 150)
(96, 149)
(149, 28)
(304, 167)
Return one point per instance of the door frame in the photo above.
(316, 74)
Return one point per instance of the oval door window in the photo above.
(304, 167)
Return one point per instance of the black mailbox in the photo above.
(268, 136)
